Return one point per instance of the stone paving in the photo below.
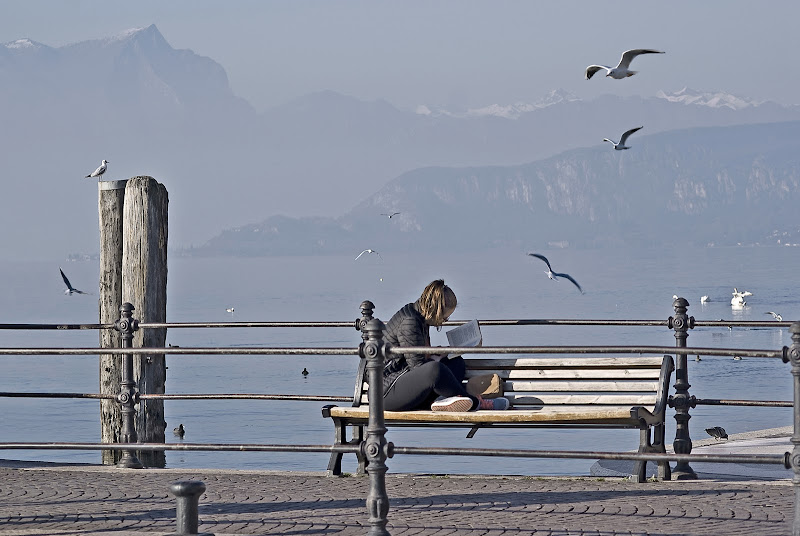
(51, 499)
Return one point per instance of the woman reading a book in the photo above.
(418, 381)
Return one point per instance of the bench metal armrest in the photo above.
(658, 415)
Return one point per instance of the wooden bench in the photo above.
(558, 392)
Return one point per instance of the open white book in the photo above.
(468, 334)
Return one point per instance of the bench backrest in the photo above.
(571, 381)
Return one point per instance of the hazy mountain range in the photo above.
(153, 110)
(702, 186)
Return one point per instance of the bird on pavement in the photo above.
(621, 145)
(70, 289)
(622, 69)
(717, 432)
(99, 171)
(555, 275)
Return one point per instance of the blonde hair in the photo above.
(436, 300)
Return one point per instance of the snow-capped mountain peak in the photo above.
(717, 99)
(506, 111)
(21, 44)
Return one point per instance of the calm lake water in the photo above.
(502, 284)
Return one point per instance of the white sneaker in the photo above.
(452, 403)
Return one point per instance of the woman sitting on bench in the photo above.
(416, 381)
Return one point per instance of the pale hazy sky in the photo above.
(450, 53)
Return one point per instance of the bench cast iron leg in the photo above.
(646, 445)
(339, 438)
(664, 471)
(358, 437)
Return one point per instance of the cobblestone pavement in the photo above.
(47, 499)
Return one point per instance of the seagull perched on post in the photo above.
(70, 289)
(621, 145)
(776, 316)
(369, 251)
(555, 275)
(99, 171)
(621, 70)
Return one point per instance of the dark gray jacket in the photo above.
(406, 328)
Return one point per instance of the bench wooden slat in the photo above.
(517, 399)
(612, 415)
(601, 386)
(566, 373)
(565, 362)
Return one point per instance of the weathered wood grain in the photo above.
(144, 284)
(110, 200)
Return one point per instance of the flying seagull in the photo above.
(776, 316)
(70, 289)
(369, 251)
(621, 145)
(717, 432)
(99, 171)
(621, 70)
(555, 275)
(390, 215)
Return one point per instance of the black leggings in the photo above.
(420, 386)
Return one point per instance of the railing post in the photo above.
(682, 401)
(794, 355)
(127, 397)
(375, 448)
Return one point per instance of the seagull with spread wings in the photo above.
(389, 215)
(555, 275)
(368, 251)
(621, 145)
(776, 316)
(622, 69)
(70, 289)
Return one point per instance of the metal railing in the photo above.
(374, 447)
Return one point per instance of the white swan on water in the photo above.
(738, 298)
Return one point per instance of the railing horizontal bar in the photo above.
(401, 350)
(315, 398)
(585, 350)
(742, 323)
(156, 325)
(181, 351)
(351, 324)
(724, 402)
(181, 446)
(57, 327)
(560, 322)
(58, 395)
(776, 459)
(771, 459)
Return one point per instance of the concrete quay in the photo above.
(39, 498)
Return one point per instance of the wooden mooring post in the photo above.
(133, 268)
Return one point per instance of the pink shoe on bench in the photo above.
(500, 403)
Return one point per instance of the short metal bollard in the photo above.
(188, 494)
